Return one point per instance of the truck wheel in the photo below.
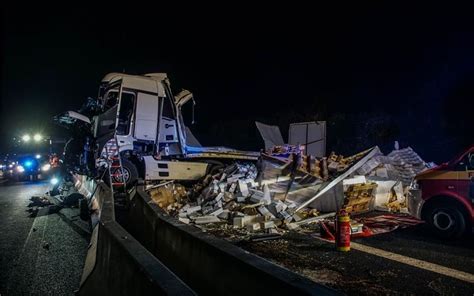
(130, 173)
(447, 221)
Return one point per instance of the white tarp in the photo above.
(271, 135)
(329, 185)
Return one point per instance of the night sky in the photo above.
(375, 73)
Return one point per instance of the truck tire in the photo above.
(446, 220)
(130, 173)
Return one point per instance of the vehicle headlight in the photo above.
(20, 169)
(46, 167)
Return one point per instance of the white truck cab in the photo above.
(144, 117)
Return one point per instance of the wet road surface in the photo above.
(40, 253)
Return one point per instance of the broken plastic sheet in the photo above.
(271, 135)
(329, 185)
(278, 184)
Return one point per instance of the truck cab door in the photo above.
(104, 124)
(146, 120)
(169, 134)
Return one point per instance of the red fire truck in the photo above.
(444, 196)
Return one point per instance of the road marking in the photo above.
(457, 274)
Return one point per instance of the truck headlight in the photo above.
(20, 169)
(46, 167)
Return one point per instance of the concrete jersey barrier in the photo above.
(116, 263)
(211, 266)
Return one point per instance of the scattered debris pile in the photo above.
(242, 200)
(39, 201)
(325, 168)
(231, 198)
(392, 175)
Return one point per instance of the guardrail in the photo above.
(208, 264)
(116, 263)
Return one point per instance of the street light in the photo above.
(37, 137)
(26, 138)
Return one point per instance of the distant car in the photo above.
(444, 196)
(28, 167)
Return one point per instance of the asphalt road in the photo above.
(42, 253)
(364, 272)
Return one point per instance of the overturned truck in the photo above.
(138, 118)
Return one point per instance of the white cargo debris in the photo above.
(206, 219)
(280, 206)
(257, 196)
(232, 187)
(241, 199)
(354, 180)
(184, 220)
(243, 221)
(267, 224)
(244, 190)
(191, 210)
(224, 215)
(236, 198)
(216, 212)
(253, 227)
(286, 217)
(265, 212)
(267, 197)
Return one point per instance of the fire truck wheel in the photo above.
(447, 221)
